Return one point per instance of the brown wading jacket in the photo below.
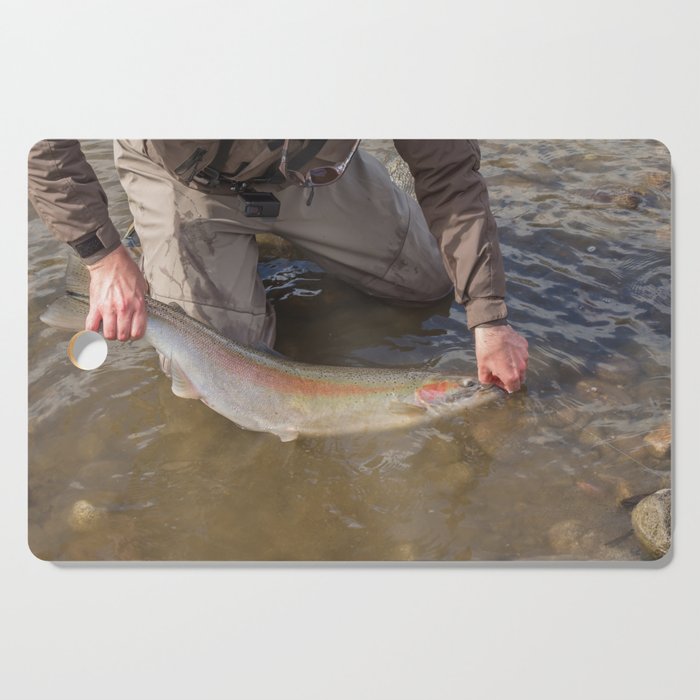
(452, 194)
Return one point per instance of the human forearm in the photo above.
(65, 192)
(454, 199)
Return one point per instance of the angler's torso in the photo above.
(240, 159)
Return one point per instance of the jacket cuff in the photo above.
(110, 239)
(484, 309)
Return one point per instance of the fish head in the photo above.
(454, 393)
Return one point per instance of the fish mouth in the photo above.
(457, 393)
(468, 383)
(490, 391)
(481, 394)
(479, 388)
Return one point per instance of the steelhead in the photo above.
(260, 390)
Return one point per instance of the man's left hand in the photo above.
(501, 355)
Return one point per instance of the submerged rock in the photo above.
(570, 537)
(454, 478)
(404, 552)
(658, 179)
(651, 520)
(663, 233)
(620, 197)
(658, 441)
(401, 175)
(84, 516)
(273, 246)
(617, 370)
(594, 390)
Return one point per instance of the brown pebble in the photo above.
(663, 233)
(659, 441)
(273, 246)
(665, 482)
(591, 437)
(456, 476)
(570, 537)
(658, 178)
(628, 200)
(487, 436)
(569, 416)
(622, 490)
(586, 389)
(623, 198)
(621, 486)
(84, 516)
(588, 488)
(404, 552)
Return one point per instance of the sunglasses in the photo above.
(316, 177)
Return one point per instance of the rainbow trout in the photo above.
(260, 390)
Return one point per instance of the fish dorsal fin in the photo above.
(406, 409)
(182, 386)
(263, 347)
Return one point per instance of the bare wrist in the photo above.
(111, 257)
(493, 324)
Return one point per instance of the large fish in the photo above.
(261, 390)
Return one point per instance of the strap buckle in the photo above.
(209, 177)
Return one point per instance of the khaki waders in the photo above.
(199, 250)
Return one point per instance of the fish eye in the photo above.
(469, 383)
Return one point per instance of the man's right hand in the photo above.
(117, 297)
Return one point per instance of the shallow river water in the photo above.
(120, 468)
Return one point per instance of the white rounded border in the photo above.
(497, 70)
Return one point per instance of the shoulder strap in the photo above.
(306, 154)
(222, 154)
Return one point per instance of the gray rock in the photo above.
(651, 520)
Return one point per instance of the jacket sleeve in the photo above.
(453, 196)
(66, 194)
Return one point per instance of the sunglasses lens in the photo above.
(322, 176)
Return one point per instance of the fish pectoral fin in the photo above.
(182, 386)
(287, 435)
(406, 409)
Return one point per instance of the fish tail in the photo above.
(69, 312)
(77, 277)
